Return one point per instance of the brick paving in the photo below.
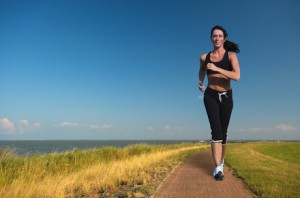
(193, 179)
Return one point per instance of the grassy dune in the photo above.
(91, 172)
(269, 169)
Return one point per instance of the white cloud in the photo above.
(151, 128)
(258, 129)
(167, 127)
(280, 127)
(21, 126)
(286, 127)
(24, 126)
(7, 126)
(174, 128)
(37, 125)
(93, 126)
(104, 126)
(178, 128)
(68, 124)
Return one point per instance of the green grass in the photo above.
(269, 169)
(289, 152)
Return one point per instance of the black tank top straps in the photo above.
(224, 63)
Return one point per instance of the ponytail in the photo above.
(231, 46)
(228, 45)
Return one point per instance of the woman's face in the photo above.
(217, 38)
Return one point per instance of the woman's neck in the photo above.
(219, 51)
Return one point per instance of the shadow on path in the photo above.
(204, 162)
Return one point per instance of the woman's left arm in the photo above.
(234, 74)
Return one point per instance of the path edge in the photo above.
(173, 170)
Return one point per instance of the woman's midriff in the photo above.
(219, 82)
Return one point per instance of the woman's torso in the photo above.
(218, 81)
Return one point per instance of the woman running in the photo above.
(221, 66)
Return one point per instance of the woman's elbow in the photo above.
(236, 77)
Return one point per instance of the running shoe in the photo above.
(219, 176)
(218, 173)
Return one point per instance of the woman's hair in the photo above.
(228, 45)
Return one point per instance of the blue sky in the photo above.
(129, 69)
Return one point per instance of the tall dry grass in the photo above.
(55, 176)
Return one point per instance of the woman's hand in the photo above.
(201, 87)
(211, 66)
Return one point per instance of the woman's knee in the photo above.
(217, 136)
(224, 141)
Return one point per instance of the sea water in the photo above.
(30, 147)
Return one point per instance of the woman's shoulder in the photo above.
(203, 56)
(232, 55)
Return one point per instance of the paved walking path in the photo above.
(193, 179)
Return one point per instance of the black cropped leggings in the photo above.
(218, 106)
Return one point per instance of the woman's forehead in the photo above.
(217, 32)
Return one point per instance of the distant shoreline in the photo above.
(31, 147)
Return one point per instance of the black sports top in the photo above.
(224, 63)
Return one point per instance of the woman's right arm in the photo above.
(202, 72)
